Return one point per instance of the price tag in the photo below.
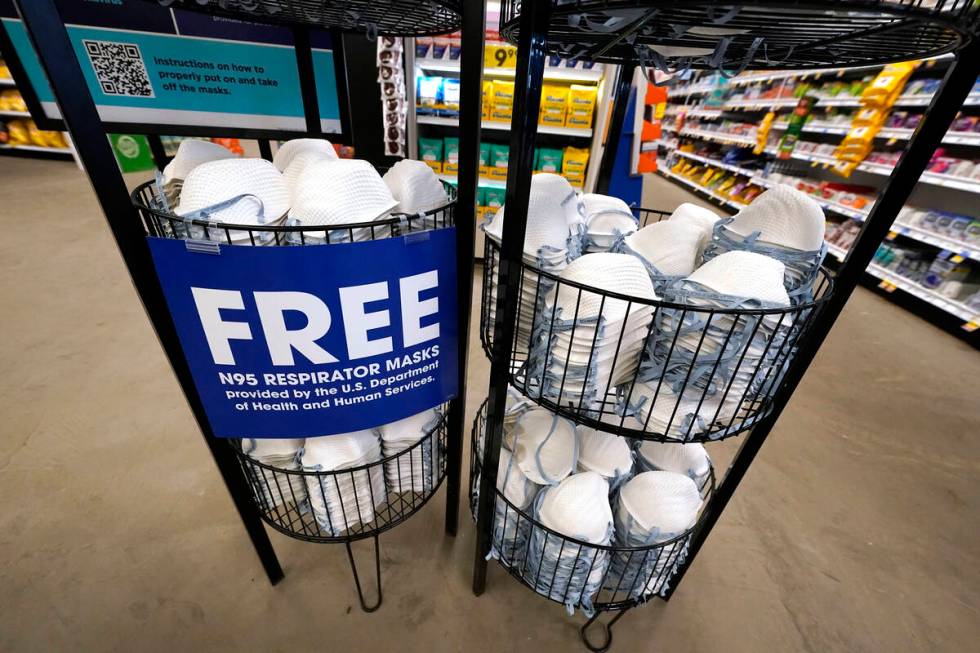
(500, 56)
(891, 141)
(956, 258)
(892, 235)
(887, 286)
(972, 325)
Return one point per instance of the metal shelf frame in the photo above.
(49, 36)
(532, 43)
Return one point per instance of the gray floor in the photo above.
(854, 531)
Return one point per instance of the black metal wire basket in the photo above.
(670, 372)
(333, 507)
(715, 34)
(606, 578)
(389, 17)
(159, 222)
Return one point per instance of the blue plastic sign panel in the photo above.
(302, 341)
(149, 64)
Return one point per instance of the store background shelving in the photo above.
(8, 84)
(718, 122)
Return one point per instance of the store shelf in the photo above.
(953, 307)
(484, 181)
(555, 74)
(663, 171)
(745, 141)
(749, 172)
(37, 148)
(7, 82)
(936, 240)
(15, 114)
(762, 103)
(499, 125)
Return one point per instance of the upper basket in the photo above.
(389, 17)
(711, 34)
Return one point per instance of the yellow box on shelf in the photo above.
(552, 116)
(554, 96)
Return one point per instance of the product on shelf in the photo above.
(499, 155)
(581, 105)
(430, 151)
(485, 159)
(574, 163)
(450, 164)
(548, 159)
(11, 100)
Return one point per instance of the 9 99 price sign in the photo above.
(499, 56)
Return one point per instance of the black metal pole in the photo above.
(157, 150)
(523, 133)
(621, 99)
(470, 118)
(54, 49)
(307, 82)
(265, 149)
(953, 91)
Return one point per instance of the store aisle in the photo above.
(854, 532)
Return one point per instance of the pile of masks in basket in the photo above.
(305, 185)
(683, 324)
(297, 476)
(609, 514)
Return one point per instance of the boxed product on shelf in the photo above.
(503, 91)
(487, 99)
(581, 105)
(500, 111)
(499, 155)
(484, 159)
(440, 47)
(554, 116)
(11, 100)
(423, 46)
(548, 159)
(429, 91)
(450, 155)
(450, 93)
(430, 151)
(493, 197)
(553, 95)
(574, 162)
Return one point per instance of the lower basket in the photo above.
(346, 505)
(576, 573)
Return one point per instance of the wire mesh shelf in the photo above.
(159, 222)
(674, 369)
(599, 577)
(714, 34)
(390, 17)
(345, 505)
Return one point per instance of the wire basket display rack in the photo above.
(390, 17)
(618, 577)
(751, 34)
(331, 506)
(160, 222)
(672, 371)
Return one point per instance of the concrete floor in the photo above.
(854, 531)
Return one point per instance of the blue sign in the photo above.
(302, 341)
(152, 64)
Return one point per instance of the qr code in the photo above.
(119, 68)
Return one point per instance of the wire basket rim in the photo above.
(397, 216)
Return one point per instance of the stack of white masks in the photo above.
(586, 343)
(545, 446)
(697, 216)
(298, 164)
(549, 244)
(276, 489)
(607, 220)
(562, 570)
(724, 354)
(653, 507)
(782, 223)
(417, 189)
(247, 192)
(669, 249)
(656, 408)
(190, 153)
(342, 192)
(605, 454)
(510, 526)
(418, 470)
(293, 148)
(343, 500)
(517, 405)
(688, 459)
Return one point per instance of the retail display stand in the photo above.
(755, 35)
(265, 492)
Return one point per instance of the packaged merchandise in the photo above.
(548, 160)
(503, 91)
(554, 96)
(429, 91)
(574, 162)
(450, 93)
(450, 165)
(552, 116)
(493, 197)
(430, 151)
(484, 159)
(499, 155)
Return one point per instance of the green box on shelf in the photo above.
(450, 155)
(484, 154)
(494, 196)
(430, 149)
(548, 159)
(480, 197)
(132, 152)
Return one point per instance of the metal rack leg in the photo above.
(524, 129)
(621, 98)
(160, 157)
(50, 40)
(945, 104)
(607, 628)
(471, 92)
(377, 575)
(265, 149)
